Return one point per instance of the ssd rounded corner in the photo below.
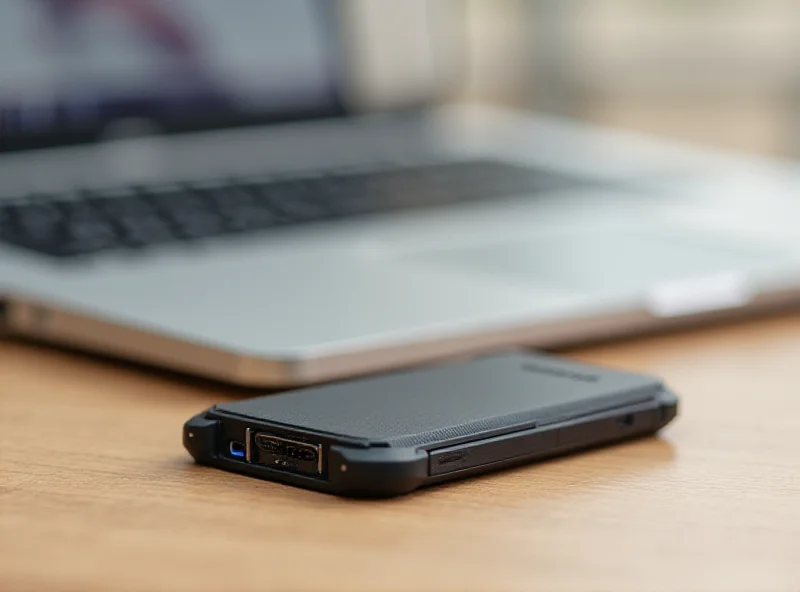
(379, 471)
(199, 437)
(668, 406)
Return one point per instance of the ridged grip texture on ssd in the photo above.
(452, 401)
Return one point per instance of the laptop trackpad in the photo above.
(607, 260)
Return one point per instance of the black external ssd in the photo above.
(390, 434)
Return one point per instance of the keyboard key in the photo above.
(234, 195)
(89, 235)
(182, 201)
(78, 208)
(298, 201)
(199, 224)
(124, 205)
(38, 216)
(144, 231)
(248, 217)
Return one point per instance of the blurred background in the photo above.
(723, 73)
(718, 72)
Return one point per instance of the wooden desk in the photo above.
(96, 492)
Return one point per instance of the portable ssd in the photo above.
(390, 434)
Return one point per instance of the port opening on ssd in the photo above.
(237, 449)
(288, 454)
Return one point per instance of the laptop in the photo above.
(276, 193)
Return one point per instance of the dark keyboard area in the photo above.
(84, 223)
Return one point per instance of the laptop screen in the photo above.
(71, 69)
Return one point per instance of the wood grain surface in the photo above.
(97, 493)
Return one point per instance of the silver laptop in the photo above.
(274, 193)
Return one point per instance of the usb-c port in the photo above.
(237, 449)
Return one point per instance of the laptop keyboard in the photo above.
(84, 223)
